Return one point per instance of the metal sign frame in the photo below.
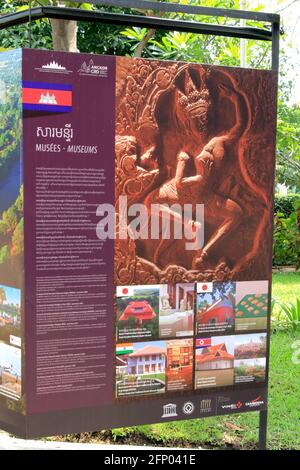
(270, 32)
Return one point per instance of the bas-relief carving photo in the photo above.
(196, 134)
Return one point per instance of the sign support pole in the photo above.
(263, 423)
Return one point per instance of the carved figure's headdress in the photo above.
(193, 94)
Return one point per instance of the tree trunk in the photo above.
(140, 48)
(64, 35)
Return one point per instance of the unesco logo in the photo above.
(188, 408)
(169, 410)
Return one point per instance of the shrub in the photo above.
(286, 204)
(287, 236)
(287, 316)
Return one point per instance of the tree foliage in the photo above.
(107, 39)
(12, 230)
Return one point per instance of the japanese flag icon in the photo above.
(125, 291)
(204, 287)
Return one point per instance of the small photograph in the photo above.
(251, 310)
(214, 362)
(215, 307)
(10, 313)
(137, 312)
(180, 365)
(250, 370)
(10, 371)
(140, 368)
(250, 346)
(176, 312)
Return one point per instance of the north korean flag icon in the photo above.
(203, 343)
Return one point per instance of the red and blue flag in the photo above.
(49, 97)
(203, 343)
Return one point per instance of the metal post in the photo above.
(263, 415)
(275, 45)
(263, 422)
(29, 26)
(243, 41)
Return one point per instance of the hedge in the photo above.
(286, 230)
(286, 204)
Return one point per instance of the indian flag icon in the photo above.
(124, 348)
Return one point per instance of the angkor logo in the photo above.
(94, 70)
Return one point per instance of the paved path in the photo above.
(8, 442)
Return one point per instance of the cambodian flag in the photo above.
(203, 343)
(49, 97)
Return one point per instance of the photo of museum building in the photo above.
(147, 360)
(214, 357)
(140, 368)
(141, 311)
(214, 365)
(137, 309)
(215, 307)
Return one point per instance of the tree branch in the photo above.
(287, 6)
(140, 48)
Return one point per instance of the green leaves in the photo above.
(292, 313)
(286, 204)
(289, 315)
(85, 6)
(288, 143)
(135, 34)
(286, 240)
(174, 45)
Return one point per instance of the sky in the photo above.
(13, 296)
(243, 339)
(228, 340)
(156, 344)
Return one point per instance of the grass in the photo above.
(286, 287)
